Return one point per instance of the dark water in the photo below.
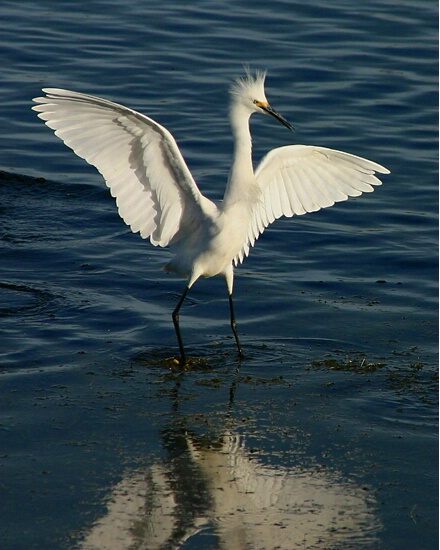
(327, 435)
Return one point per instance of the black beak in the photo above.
(268, 110)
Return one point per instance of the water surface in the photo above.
(326, 437)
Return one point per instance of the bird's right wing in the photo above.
(139, 159)
(297, 179)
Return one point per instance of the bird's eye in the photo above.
(255, 101)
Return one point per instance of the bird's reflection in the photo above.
(218, 487)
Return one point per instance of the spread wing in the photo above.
(139, 159)
(298, 179)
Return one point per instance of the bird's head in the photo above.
(248, 93)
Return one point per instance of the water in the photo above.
(327, 436)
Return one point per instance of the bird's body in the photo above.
(157, 196)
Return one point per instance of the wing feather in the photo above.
(298, 179)
(138, 158)
(295, 203)
(286, 207)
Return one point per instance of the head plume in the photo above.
(251, 85)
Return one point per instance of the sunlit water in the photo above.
(327, 435)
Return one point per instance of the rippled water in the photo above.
(327, 435)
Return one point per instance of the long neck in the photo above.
(241, 175)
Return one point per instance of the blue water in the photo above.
(327, 435)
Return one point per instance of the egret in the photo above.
(157, 196)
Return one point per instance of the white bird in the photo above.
(157, 196)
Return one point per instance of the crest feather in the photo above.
(250, 85)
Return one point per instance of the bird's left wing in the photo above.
(297, 179)
(139, 159)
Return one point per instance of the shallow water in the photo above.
(326, 437)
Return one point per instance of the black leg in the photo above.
(177, 327)
(234, 325)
